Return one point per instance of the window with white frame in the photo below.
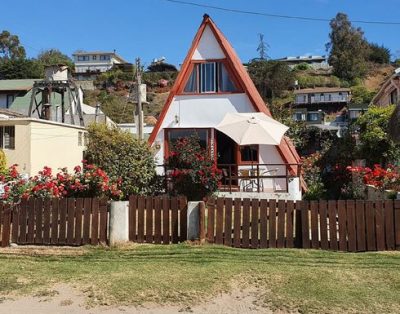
(7, 137)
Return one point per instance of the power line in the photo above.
(293, 17)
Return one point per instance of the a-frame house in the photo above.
(211, 83)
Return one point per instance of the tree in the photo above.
(347, 49)
(161, 67)
(376, 145)
(54, 56)
(378, 54)
(271, 78)
(10, 47)
(122, 157)
(262, 47)
(20, 69)
(360, 95)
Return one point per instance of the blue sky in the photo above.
(154, 28)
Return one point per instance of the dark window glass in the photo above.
(225, 83)
(207, 78)
(174, 134)
(249, 153)
(191, 85)
(7, 137)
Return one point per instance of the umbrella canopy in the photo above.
(252, 128)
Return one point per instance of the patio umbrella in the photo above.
(252, 128)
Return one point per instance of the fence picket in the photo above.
(54, 220)
(397, 223)
(280, 243)
(219, 221)
(360, 223)
(132, 217)
(87, 210)
(323, 224)
(94, 234)
(78, 220)
(246, 223)
(70, 221)
(389, 224)
(255, 206)
(332, 213)
(211, 220)
(63, 220)
(157, 220)
(314, 224)
(342, 218)
(46, 221)
(22, 222)
(379, 226)
(6, 222)
(174, 220)
(166, 205)
(149, 219)
(370, 223)
(228, 222)
(237, 218)
(351, 225)
(31, 221)
(263, 224)
(305, 234)
(272, 224)
(289, 224)
(141, 221)
(15, 213)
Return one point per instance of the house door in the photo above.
(226, 158)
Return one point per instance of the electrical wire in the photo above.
(282, 16)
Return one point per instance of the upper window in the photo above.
(83, 58)
(104, 57)
(249, 153)
(94, 57)
(209, 77)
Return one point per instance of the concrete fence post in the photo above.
(119, 222)
(195, 223)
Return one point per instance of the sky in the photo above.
(153, 28)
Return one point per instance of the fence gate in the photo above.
(66, 221)
(157, 219)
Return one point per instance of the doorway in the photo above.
(227, 159)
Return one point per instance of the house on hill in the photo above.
(212, 83)
(389, 93)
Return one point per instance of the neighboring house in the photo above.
(88, 64)
(315, 62)
(11, 89)
(311, 105)
(33, 143)
(16, 95)
(211, 83)
(389, 93)
(131, 128)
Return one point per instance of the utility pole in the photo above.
(139, 107)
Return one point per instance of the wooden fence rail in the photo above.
(55, 222)
(157, 219)
(330, 225)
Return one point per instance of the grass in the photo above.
(303, 280)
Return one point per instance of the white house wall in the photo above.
(206, 111)
(208, 47)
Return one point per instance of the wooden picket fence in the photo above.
(160, 219)
(330, 225)
(55, 222)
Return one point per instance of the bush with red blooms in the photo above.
(86, 181)
(381, 178)
(191, 170)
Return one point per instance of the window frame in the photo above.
(239, 88)
(246, 162)
(166, 139)
(11, 146)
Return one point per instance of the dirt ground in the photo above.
(65, 299)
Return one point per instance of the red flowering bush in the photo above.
(192, 172)
(312, 175)
(86, 181)
(381, 178)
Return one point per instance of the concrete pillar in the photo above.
(193, 221)
(119, 222)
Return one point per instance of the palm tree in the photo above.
(394, 125)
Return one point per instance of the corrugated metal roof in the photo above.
(16, 85)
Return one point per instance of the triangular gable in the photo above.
(286, 150)
(208, 47)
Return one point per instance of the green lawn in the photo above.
(304, 280)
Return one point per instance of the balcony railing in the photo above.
(249, 178)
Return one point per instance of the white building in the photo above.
(88, 64)
(213, 82)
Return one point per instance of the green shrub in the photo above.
(3, 161)
(122, 157)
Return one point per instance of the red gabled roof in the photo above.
(286, 148)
